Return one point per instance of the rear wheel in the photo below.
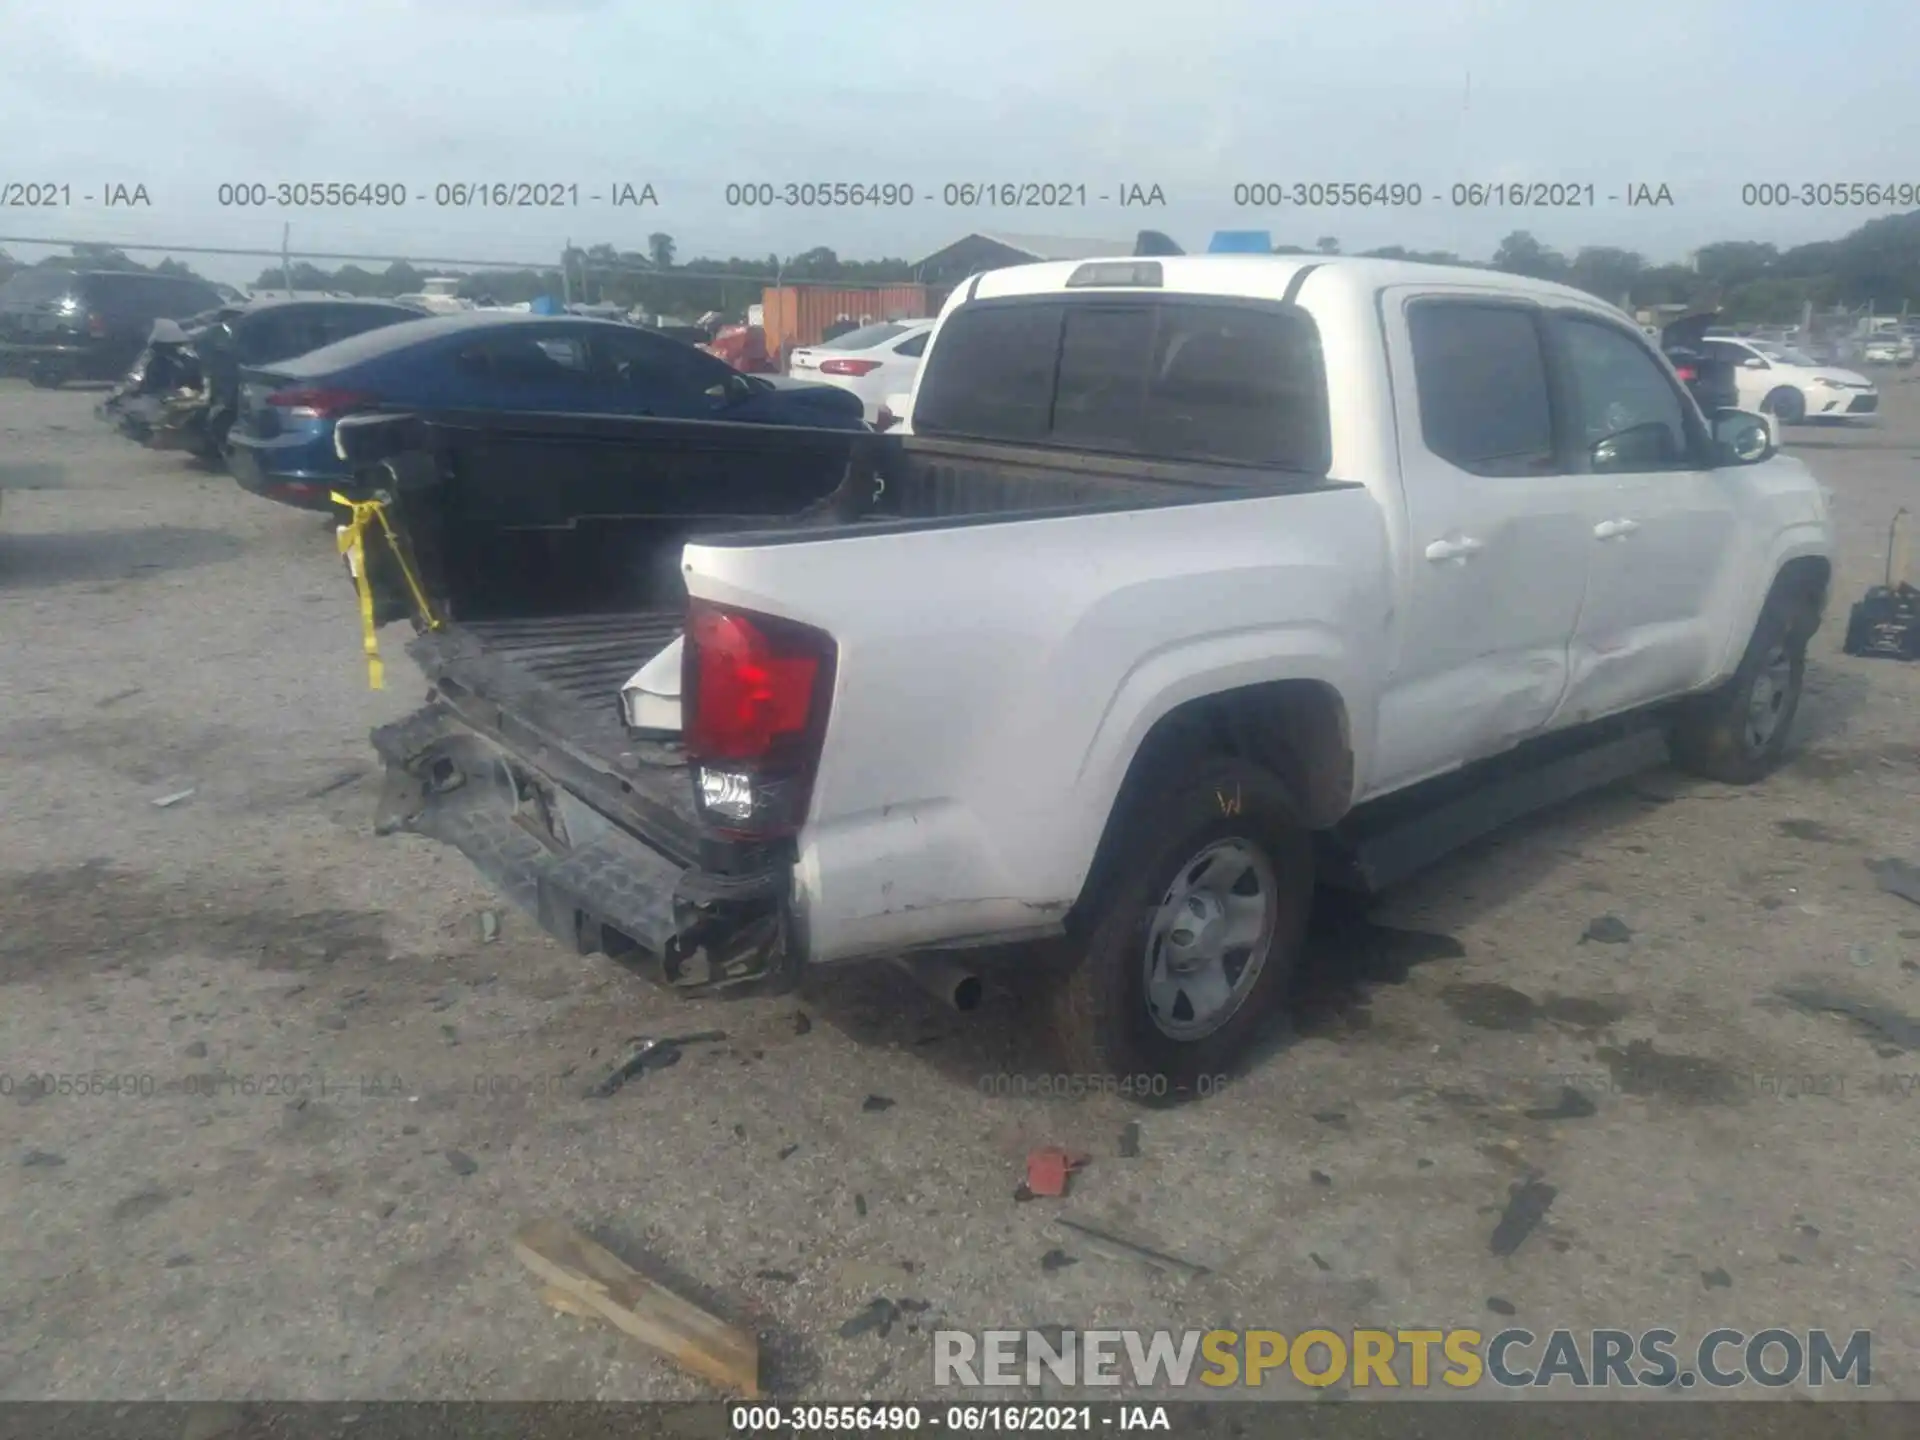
(1739, 733)
(46, 377)
(1192, 932)
(1787, 403)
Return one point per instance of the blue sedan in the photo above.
(282, 441)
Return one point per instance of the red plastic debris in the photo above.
(1048, 1169)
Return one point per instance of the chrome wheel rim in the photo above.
(1767, 701)
(1209, 938)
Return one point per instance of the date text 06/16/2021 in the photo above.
(990, 1419)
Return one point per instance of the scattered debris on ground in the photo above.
(489, 927)
(1527, 1206)
(1897, 877)
(1105, 1242)
(1130, 1140)
(594, 1277)
(1050, 1169)
(1501, 1307)
(1572, 1105)
(874, 1104)
(1607, 930)
(178, 797)
(340, 781)
(648, 1053)
(1894, 1026)
(1716, 1279)
(879, 1315)
(462, 1163)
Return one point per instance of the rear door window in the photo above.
(279, 334)
(340, 322)
(1481, 375)
(527, 359)
(1181, 379)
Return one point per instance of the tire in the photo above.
(1787, 404)
(1207, 811)
(45, 377)
(1721, 736)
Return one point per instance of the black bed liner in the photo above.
(551, 686)
(574, 661)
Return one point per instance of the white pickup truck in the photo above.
(1198, 579)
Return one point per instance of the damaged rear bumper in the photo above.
(590, 883)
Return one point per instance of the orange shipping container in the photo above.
(795, 315)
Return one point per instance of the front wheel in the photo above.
(1739, 733)
(1786, 403)
(46, 377)
(1192, 932)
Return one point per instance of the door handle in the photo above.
(1614, 529)
(1462, 549)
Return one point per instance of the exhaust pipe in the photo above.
(948, 981)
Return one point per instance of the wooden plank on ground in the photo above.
(572, 1263)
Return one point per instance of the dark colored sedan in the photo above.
(61, 325)
(282, 444)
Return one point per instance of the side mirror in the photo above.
(1741, 437)
(1753, 362)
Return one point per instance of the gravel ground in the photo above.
(340, 1085)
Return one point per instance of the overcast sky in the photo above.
(1195, 96)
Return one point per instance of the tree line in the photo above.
(1752, 282)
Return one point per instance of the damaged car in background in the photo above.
(183, 392)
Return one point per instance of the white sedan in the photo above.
(1790, 384)
(873, 362)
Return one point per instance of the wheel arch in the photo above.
(1298, 730)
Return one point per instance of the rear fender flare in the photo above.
(1163, 682)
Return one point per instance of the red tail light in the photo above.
(319, 404)
(848, 367)
(1687, 373)
(754, 697)
(96, 325)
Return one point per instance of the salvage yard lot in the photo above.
(335, 1075)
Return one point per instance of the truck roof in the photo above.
(1268, 277)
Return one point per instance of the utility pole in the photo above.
(286, 256)
(566, 275)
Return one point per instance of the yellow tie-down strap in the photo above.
(353, 545)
